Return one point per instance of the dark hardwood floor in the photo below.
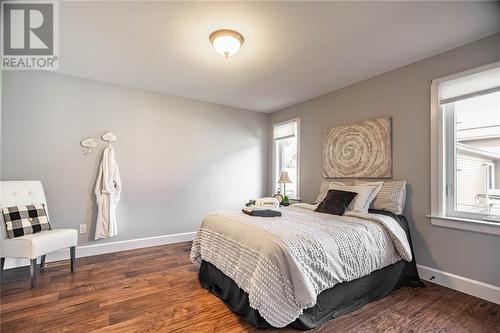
(156, 290)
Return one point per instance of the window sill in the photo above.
(484, 227)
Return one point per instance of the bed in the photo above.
(303, 268)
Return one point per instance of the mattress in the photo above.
(284, 263)
(331, 303)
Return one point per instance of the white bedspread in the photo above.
(284, 263)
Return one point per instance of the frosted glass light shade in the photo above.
(226, 42)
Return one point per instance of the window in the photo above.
(466, 146)
(286, 156)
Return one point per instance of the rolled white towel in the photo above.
(267, 202)
(255, 207)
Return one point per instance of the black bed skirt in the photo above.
(331, 303)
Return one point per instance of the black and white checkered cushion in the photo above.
(25, 220)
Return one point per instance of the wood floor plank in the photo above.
(27, 302)
(156, 289)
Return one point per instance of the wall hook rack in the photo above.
(109, 137)
(87, 145)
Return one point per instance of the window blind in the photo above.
(471, 85)
(286, 130)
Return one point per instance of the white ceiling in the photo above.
(293, 51)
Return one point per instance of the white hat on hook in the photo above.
(109, 137)
(87, 145)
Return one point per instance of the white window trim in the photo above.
(273, 176)
(438, 181)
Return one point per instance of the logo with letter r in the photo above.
(28, 29)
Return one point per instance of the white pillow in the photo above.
(324, 187)
(366, 193)
(323, 190)
(392, 197)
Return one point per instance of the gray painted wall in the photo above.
(404, 94)
(179, 159)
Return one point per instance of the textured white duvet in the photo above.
(284, 263)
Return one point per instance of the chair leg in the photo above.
(33, 273)
(42, 263)
(2, 263)
(73, 258)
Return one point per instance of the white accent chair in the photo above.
(36, 245)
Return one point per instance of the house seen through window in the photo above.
(285, 156)
(471, 128)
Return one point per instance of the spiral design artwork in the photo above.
(361, 150)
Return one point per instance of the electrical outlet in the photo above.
(83, 228)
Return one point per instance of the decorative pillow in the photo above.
(324, 187)
(25, 220)
(366, 194)
(392, 197)
(336, 202)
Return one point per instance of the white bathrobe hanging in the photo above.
(107, 192)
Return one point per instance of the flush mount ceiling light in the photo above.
(226, 42)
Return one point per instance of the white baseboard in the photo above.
(468, 286)
(96, 249)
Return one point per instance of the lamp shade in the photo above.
(284, 179)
